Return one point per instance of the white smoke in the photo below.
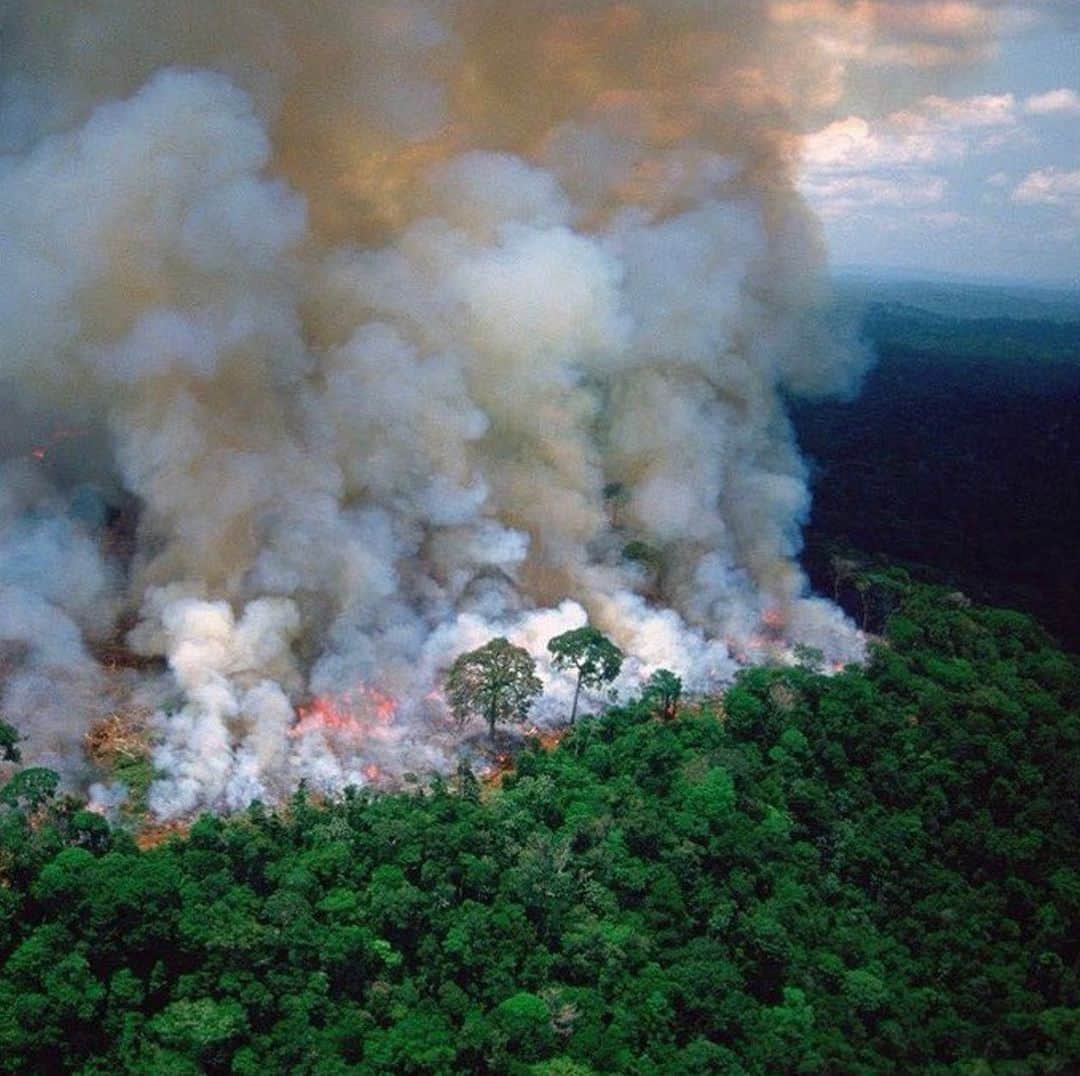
(406, 322)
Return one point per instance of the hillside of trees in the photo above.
(961, 454)
(870, 872)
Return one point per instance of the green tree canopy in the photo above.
(498, 682)
(869, 871)
(662, 691)
(596, 658)
(9, 743)
(29, 789)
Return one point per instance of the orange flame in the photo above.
(326, 714)
(550, 740)
(350, 714)
(502, 764)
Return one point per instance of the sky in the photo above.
(978, 177)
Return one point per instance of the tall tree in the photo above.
(596, 658)
(498, 682)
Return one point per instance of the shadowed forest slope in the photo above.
(961, 455)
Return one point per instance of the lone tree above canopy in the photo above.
(596, 658)
(497, 682)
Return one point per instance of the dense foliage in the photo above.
(589, 653)
(497, 682)
(866, 873)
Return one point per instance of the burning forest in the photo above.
(339, 338)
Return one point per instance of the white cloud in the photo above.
(1050, 186)
(842, 196)
(945, 218)
(897, 33)
(938, 128)
(1055, 101)
(853, 145)
(983, 110)
(919, 34)
(892, 162)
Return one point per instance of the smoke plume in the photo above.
(340, 337)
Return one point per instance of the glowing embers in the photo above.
(358, 727)
(547, 738)
(781, 633)
(151, 834)
(57, 437)
(766, 643)
(354, 715)
(501, 765)
(774, 621)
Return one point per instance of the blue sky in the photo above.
(978, 176)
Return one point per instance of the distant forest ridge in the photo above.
(961, 453)
(960, 300)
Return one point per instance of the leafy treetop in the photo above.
(498, 682)
(9, 743)
(596, 658)
(663, 690)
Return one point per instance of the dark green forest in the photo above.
(869, 872)
(960, 457)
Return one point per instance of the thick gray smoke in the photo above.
(346, 335)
